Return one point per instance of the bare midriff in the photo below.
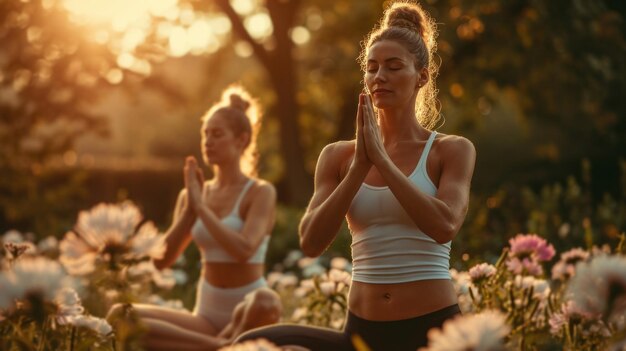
(389, 302)
(231, 275)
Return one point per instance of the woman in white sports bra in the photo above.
(404, 190)
(230, 218)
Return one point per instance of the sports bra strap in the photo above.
(241, 195)
(429, 143)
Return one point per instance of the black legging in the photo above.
(406, 334)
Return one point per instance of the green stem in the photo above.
(72, 338)
(42, 341)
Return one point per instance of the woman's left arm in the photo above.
(441, 216)
(257, 223)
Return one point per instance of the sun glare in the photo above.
(125, 25)
(183, 30)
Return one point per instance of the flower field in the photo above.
(55, 294)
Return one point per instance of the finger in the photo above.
(200, 175)
(359, 114)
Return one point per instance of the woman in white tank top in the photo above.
(229, 218)
(404, 190)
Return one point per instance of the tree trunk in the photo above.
(280, 66)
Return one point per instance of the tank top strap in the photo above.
(241, 195)
(429, 144)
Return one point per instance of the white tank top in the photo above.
(387, 246)
(210, 249)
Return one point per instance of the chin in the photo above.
(382, 104)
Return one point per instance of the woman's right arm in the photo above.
(178, 235)
(333, 195)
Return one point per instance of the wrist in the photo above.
(188, 215)
(359, 169)
(382, 163)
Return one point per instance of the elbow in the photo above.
(309, 248)
(161, 264)
(446, 234)
(244, 254)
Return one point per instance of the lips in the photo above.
(381, 91)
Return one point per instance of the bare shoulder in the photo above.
(339, 149)
(454, 146)
(263, 187)
(335, 157)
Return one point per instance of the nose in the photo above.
(206, 142)
(380, 76)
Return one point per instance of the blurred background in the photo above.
(100, 101)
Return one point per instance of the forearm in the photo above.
(231, 241)
(175, 238)
(433, 216)
(320, 225)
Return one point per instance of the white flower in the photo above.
(273, 278)
(479, 332)
(599, 284)
(341, 264)
(99, 325)
(299, 313)
(327, 288)
(305, 287)
(337, 323)
(173, 304)
(180, 276)
(32, 276)
(107, 223)
(148, 242)
(12, 236)
(481, 271)
(339, 276)
(307, 261)
(292, 258)
(106, 233)
(252, 345)
(462, 283)
(287, 280)
(68, 305)
(164, 279)
(314, 269)
(48, 244)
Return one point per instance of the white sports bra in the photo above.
(387, 246)
(210, 249)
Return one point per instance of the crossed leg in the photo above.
(181, 330)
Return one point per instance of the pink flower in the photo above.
(524, 245)
(481, 271)
(527, 251)
(566, 267)
(525, 265)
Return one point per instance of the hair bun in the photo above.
(238, 102)
(406, 15)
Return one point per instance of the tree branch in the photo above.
(241, 31)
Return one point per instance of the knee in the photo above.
(265, 307)
(118, 310)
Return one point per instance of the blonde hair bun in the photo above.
(237, 101)
(406, 15)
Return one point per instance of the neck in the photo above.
(228, 174)
(400, 124)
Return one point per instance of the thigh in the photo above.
(183, 319)
(312, 338)
(162, 333)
